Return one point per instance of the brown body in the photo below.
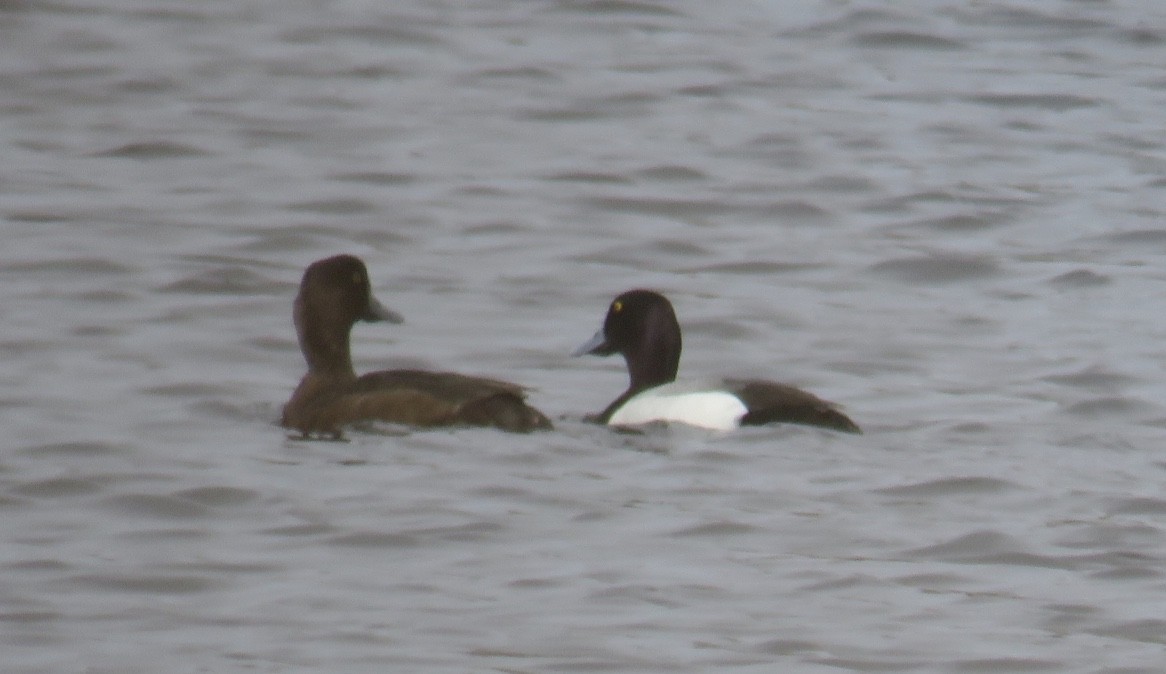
(334, 294)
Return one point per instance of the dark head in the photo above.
(334, 294)
(641, 326)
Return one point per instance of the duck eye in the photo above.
(357, 278)
(616, 307)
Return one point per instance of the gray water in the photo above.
(947, 216)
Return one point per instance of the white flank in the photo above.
(716, 410)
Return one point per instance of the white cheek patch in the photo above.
(715, 410)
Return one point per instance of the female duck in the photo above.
(642, 327)
(334, 294)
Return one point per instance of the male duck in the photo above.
(642, 327)
(334, 294)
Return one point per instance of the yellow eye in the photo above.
(616, 307)
(357, 278)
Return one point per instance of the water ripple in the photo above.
(938, 268)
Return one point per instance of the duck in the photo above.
(334, 294)
(641, 326)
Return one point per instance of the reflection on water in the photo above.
(945, 216)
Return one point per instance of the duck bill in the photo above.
(379, 312)
(596, 346)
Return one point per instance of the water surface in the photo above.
(946, 216)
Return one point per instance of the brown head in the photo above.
(334, 294)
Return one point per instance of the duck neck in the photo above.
(647, 370)
(656, 359)
(324, 342)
